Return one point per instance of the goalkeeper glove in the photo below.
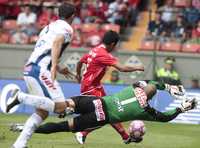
(187, 105)
(177, 91)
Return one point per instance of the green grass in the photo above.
(158, 135)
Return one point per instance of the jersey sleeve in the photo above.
(66, 31)
(154, 115)
(107, 60)
(84, 59)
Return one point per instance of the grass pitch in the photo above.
(158, 135)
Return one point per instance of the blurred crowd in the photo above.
(21, 20)
(175, 20)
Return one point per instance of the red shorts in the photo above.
(96, 91)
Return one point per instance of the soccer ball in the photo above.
(136, 129)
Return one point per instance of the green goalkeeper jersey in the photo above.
(124, 106)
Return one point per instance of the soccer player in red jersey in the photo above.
(97, 61)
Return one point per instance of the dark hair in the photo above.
(110, 37)
(66, 10)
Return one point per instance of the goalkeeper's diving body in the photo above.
(129, 104)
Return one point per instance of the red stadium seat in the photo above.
(90, 27)
(180, 3)
(189, 47)
(4, 38)
(112, 27)
(149, 45)
(171, 46)
(9, 24)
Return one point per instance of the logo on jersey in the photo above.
(119, 105)
(99, 110)
(48, 82)
(141, 96)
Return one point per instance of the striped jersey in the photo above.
(42, 51)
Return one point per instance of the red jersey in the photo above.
(97, 61)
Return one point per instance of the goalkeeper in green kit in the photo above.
(129, 104)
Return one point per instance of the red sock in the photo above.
(120, 129)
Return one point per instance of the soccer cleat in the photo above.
(135, 140)
(127, 141)
(16, 127)
(14, 98)
(80, 138)
(187, 105)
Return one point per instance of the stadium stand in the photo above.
(178, 35)
(128, 17)
(180, 3)
(89, 16)
(193, 48)
(170, 46)
(117, 15)
(149, 45)
(9, 25)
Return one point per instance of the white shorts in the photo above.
(39, 83)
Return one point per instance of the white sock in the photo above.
(37, 101)
(31, 124)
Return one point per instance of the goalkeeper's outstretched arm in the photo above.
(154, 115)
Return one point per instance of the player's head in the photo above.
(110, 39)
(67, 11)
(169, 63)
(150, 91)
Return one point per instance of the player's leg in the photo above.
(120, 129)
(53, 91)
(97, 117)
(82, 122)
(36, 84)
(35, 119)
(29, 127)
(85, 104)
(92, 109)
(81, 136)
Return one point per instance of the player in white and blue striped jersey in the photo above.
(40, 72)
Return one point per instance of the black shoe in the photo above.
(135, 140)
(15, 101)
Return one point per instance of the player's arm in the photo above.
(155, 115)
(124, 68)
(65, 71)
(55, 54)
(79, 66)
(78, 71)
